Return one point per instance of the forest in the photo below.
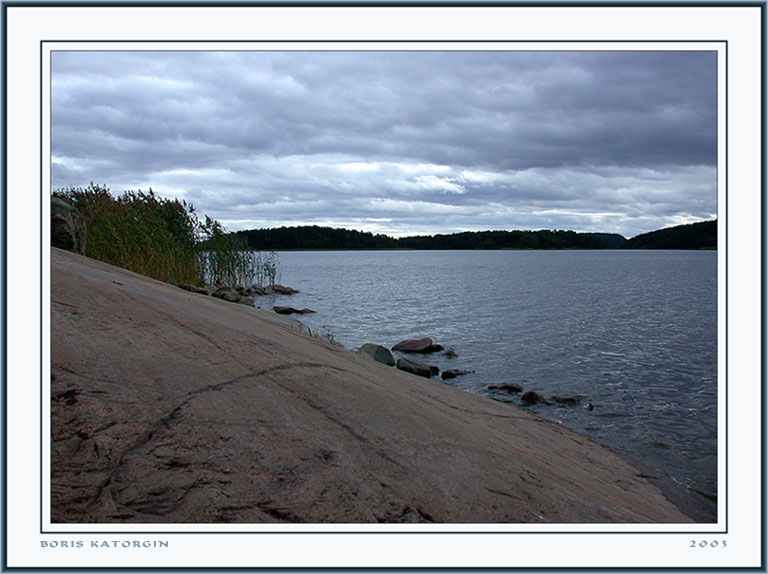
(316, 237)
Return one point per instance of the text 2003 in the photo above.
(708, 544)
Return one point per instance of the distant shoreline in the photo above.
(702, 235)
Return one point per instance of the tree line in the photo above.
(317, 237)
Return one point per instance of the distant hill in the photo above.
(316, 237)
(702, 235)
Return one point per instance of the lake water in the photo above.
(633, 333)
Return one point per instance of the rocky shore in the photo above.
(174, 406)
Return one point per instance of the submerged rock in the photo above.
(453, 373)
(532, 398)
(506, 387)
(422, 346)
(378, 353)
(417, 367)
(567, 400)
(290, 310)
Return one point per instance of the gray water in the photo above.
(633, 333)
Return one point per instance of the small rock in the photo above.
(246, 300)
(451, 353)
(417, 368)
(227, 293)
(290, 310)
(257, 289)
(378, 353)
(532, 398)
(422, 346)
(194, 289)
(453, 373)
(506, 387)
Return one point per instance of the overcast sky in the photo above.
(397, 142)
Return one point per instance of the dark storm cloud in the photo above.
(397, 141)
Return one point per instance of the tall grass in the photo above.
(162, 238)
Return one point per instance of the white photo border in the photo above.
(739, 167)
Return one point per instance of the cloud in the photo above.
(414, 141)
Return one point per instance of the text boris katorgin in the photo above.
(103, 544)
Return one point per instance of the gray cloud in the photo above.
(398, 142)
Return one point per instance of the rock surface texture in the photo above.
(170, 406)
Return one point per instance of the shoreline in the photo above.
(169, 406)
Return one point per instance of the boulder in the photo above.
(257, 289)
(67, 226)
(290, 310)
(453, 373)
(532, 398)
(422, 346)
(194, 288)
(506, 387)
(416, 367)
(378, 353)
(451, 353)
(246, 300)
(227, 293)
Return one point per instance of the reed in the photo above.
(161, 238)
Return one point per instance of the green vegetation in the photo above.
(702, 235)
(226, 259)
(314, 237)
(163, 238)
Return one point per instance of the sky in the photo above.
(400, 143)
